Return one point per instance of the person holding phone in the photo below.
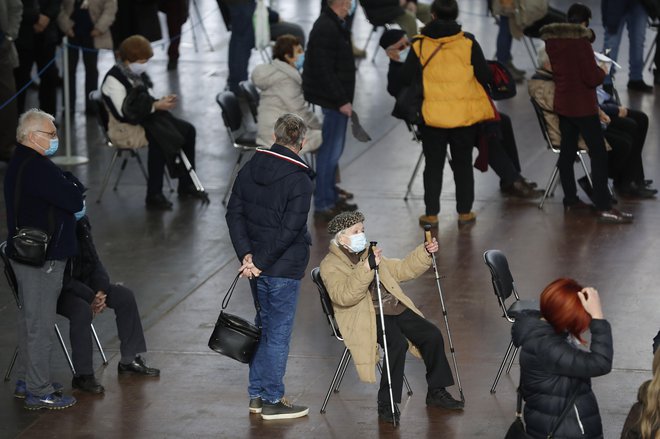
(555, 367)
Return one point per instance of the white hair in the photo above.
(335, 239)
(29, 122)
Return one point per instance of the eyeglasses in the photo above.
(51, 134)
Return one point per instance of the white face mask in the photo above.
(404, 54)
(138, 68)
(358, 242)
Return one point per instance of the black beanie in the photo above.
(390, 37)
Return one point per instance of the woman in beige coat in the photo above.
(87, 24)
(349, 280)
(281, 92)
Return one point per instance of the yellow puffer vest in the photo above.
(452, 95)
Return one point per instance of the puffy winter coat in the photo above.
(102, 13)
(552, 369)
(329, 70)
(281, 92)
(348, 287)
(574, 68)
(267, 212)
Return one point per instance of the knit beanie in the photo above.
(390, 37)
(134, 48)
(343, 221)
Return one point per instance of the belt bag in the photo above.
(30, 246)
(234, 336)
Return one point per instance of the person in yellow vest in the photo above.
(455, 101)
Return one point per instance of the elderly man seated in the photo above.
(349, 279)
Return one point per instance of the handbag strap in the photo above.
(432, 53)
(17, 196)
(229, 293)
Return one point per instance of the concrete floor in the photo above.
(180, 263)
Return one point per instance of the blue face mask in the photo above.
(82, 212)
(52, 147)
(353, 7)
(300, 61)
(404, 54)
(358, 242)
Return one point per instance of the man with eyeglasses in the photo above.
(39, 195)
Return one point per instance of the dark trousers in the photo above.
(628, 134)
(590, 129)
(79, 313)
(240, 43)
(8, 114)
(40, 53)
(156, 158)
(177, 14)
(427, 338)
(434, 144)
(90, 58)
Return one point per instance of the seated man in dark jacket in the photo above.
(502, 150)
(87, 291)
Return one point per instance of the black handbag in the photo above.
(30, 244)
(517, 428)
(409, 100)
(234, 336)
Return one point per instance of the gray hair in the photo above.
(335, 239)
(542, 57)
(290, 130)
(29, 122)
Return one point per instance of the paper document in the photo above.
(604, 58)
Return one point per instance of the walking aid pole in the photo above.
(382, 325)
(428, 238)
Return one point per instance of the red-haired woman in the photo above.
(554, 365)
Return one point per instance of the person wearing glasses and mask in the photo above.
(39, 195)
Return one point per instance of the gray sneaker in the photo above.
(282, 409)
(256, 404)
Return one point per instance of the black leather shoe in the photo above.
(137, 367)
(640, 86)
(614, 216)
(521, 189)
(633, 190)
(87, 383)
(441, 398)
(385, 412)
(344, 206)
(158, 202)
(578, 206)
(192, 192)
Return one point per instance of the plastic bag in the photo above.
(261, 26)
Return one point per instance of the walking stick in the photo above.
(382, 325)
(428, 238)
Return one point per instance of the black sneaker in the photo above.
(256, 405)
(158, 202)
(441, 398)
(640, 85)
(87, 383)
(282, 409)
(385, 412)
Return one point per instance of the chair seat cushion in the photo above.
(522, 305)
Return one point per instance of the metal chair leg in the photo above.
(549, 186)
(343, 372)
(98, 345)
(414, 174)
(344, 356)
(11, 364)
(66, 352)
(234, 172)
(529, 51)
(140, 164)
(513, 357)
(499, 371)
(121, 172)
(106, 177)
(586, 170)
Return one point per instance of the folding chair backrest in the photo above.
(231, 111)
(501, 275)
(9, 273)
(540, 115)
(326, 303)
(102, 117)
(252, 95)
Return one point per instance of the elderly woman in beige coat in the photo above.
(281, 92)
(349, 279)
(87, 25)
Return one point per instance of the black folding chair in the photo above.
(251, 94)
(504, 287)
(328, 310)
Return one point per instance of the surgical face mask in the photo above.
(300, 61)
(358, 242)
(351, 11)
(52, 146)
(82, 212)
(404, 54)
(138, 68)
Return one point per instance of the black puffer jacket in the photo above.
(329, 70)
(267, 212)
(380, 12)
(552, 369)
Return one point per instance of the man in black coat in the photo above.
(267, 219)
(86, 293)
(329, 82)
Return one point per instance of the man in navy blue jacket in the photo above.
(38, 194)
(267, 219)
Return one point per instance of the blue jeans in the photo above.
(240, 43)
(504, 41)
(278, 297)
(635, 20)
(327, 158)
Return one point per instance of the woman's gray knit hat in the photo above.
(344, 220)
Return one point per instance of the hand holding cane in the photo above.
(428, 238)
(374, 266)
